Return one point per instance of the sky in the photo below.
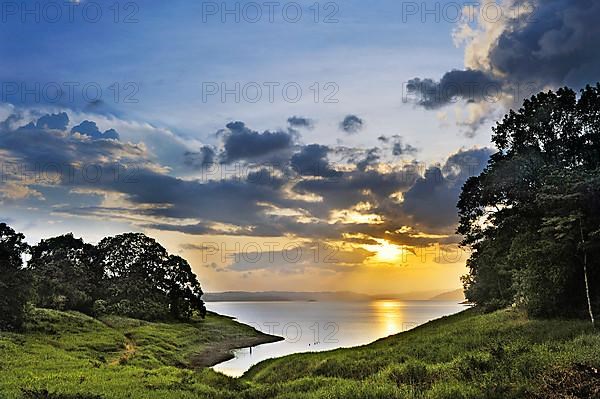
(275, 145)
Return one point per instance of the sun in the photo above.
(385, 251)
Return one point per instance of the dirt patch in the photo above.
(576, 382)
(127, 353)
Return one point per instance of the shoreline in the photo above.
(221, 352)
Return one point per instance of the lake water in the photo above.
(319, 326)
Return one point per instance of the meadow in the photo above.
(468, 355)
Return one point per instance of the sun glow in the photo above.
(386, 251)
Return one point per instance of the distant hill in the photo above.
(456, 295)
(410, 296)
(242, 296)
(283, 296)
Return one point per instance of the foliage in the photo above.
(65, 274)
(531, 217)
(143, 281)
(130, 275)
(15, 282)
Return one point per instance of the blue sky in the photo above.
(170, 52)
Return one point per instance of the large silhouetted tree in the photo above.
(531, 217)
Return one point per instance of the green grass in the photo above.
(469, 355)
(115, 357)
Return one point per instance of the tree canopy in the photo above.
(144, 281)
(532, 216)
(129, 274)
(65, 273)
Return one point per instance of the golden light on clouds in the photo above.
(354, 217)
(398, 197)
(358, 214)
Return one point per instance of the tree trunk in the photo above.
(585, 275)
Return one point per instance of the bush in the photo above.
(100, 308)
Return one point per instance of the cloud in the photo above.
(41, 144)
(533, 46)
(242, 143)
(469, 85)
(200, 159)
(297, 258)
(312, 161)
(398, 148)
(89, 128)
(300, 122)
(352, 124)
(54, 121)
(310, 196)
(556, 45)
(354, 187)
(371, 158)
(431, 201)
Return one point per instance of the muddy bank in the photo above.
(220, 352)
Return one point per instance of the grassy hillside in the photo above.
(469, 355)
(115, 357)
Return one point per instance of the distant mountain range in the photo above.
(243, 296)
(266, 296)
(456, 295)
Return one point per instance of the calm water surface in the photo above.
(319, 326)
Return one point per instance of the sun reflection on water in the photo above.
(390, 317)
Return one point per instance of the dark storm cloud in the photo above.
(90, 129)
(431, 201)
(398, 148)
(266, 177)
(553, 46)
(371, 158)
(406, 149)
(238, 202)
(200, 159)
(312, 161)
(53, 121)
(242, 143)
(354, 187)
(46, 142)
(194, 229)
(469, 85)
(300, 122)
(558, 45)
(351, 124)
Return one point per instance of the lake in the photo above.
(319, 326)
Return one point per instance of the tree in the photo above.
(143, 281)
(571, 199)
(15, 281)
(65, 274)
(185, 294)
(530, 217)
